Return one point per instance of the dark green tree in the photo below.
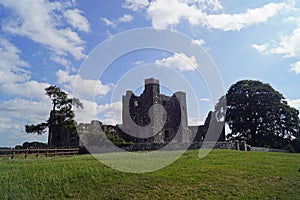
(259, 115)
(61, 118)
(26, 145)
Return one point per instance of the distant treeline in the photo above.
(5, 148)
(26, 145)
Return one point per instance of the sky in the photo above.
(48, 42)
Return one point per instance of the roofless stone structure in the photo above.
(152, 120)
(153, 117)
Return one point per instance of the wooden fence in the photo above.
(37, 152)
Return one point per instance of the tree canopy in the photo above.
(260, 115)
(61, 116)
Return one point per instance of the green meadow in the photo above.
(222, 174)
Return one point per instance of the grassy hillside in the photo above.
(223, 174)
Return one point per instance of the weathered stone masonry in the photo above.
(163, 126)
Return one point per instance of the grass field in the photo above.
(223, 174)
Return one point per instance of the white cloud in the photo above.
(76, 20)
(41, 22)
(108, 22)
(192, 121)
(139, 62)
(260, 47)
(107, 113)
(235, 22)
(111, 113)
(290, 19)
(126, 18)
(296, 67)
(211, 5)
(15, 114)
(14, 79)
(167, 14)
(11, 65)
(204, 99)
(294, 103)
(12, 133)
(61, 60)
(85, 88)
(88, 113)
(28, 89)
(29, 111)
(114, 23)
(199, 42)
(288, 45)
(18, 112)
(135, 5)
(179, 61)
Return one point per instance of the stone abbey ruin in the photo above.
(163, 118)
(155, 119)
(150, 121)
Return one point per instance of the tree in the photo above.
(259, 115)
(26, 145)
(61, 123)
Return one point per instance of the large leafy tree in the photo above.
(260, 115)
(61, 116)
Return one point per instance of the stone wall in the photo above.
(263, 149)
(196, 145)
(59, 136)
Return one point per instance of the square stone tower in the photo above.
(153, 117)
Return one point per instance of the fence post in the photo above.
(13, 153)
(26, 152)
(38, 151)
(237, 145)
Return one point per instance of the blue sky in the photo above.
(45, 42)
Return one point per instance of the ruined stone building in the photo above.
(153, 117)
(60, 136)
